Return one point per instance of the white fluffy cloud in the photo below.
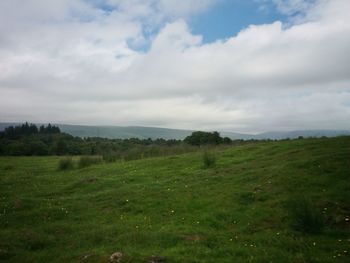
(75, 62)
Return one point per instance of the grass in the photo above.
(172, 210)
(86, 161)
(110, 158)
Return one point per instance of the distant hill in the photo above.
(303, 133)
(114, 132)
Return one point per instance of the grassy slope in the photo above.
(173, 208)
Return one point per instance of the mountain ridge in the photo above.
(145, 132)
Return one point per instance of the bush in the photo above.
(304, 216)
(209, 159)
(86, 161)
(65, 164)
(37, 147)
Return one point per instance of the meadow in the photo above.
(283, 201)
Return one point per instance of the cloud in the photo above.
(73, 61)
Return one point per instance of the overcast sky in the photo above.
(233, 65)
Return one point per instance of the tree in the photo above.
(227, 140)
(61, 147)
(37, 147)
(201, 138)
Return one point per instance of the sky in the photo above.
(231, 65)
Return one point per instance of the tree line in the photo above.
(29, 139)
(14, 132)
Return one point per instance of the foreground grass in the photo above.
(175, 209)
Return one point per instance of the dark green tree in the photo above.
(202, 138)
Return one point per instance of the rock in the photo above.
(257, 189)
(86, 257)
(116, 257)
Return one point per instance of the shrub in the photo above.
(209, 159)
(65, 164)
(86, 161)
(304, 216)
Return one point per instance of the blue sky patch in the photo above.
(229, 17)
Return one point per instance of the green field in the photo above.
(243, 209)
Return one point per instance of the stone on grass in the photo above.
(116, 257)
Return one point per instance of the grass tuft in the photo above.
(304, 216)
(65, 164)
(209, 159)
